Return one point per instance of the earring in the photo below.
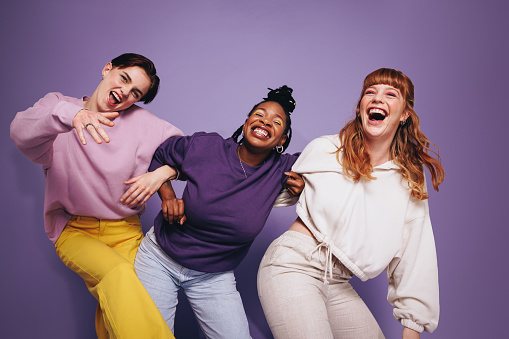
(402, 123)
(279, 149)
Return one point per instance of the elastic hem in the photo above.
(411, 325)
(340, 255)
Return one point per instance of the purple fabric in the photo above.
(225, 210)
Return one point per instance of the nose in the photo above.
(125, 90)
(378, 97)
(265, 121)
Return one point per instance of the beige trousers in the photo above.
(299, 302)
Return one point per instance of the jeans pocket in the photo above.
(153, 241)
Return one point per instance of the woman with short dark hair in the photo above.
(96, 235)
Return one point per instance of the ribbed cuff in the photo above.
(412, 325)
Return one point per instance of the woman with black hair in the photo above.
(231, 189)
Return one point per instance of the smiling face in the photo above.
(381, 109)
(119, 89)
(264, 128)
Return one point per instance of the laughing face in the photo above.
(382, 108)
(264, 128)
(119, 89)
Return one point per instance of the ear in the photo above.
(404, 116)
(107, 69)
(283, 140)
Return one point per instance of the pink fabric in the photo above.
(87, 179)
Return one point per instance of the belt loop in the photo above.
(102, 225)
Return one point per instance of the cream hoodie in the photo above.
(371, 226)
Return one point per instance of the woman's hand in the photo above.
(91, 122)
(145, 185)
(173, 210)
(294, 184)
(410, 334)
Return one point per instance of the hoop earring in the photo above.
(279, 149)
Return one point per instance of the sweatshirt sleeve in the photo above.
(35, 129)
(413, 278)
(172, 152)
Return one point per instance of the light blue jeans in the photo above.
(213, 296)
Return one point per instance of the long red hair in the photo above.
(410, 148)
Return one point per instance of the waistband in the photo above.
(330, 260)
(135, 218)
(302, 237)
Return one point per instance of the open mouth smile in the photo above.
(261, 132)
(115, 98)
(376, 114)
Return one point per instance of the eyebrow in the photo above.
(390, 87)
(280, 117)
(127, 76)
(263, 109)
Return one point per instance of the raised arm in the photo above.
(35, 129)
(90, 121)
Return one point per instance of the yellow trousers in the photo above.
(102, 252)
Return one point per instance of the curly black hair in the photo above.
(283, 96)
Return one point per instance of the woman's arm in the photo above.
(172, 207)
(294, 184)
(410, 334)
(145, 185)
(91, 122)
(290, 194)
(35, 129)
(413, 277)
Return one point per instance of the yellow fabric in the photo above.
(102, 252)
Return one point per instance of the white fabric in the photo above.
(371, 226)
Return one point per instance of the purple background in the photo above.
(216, 59)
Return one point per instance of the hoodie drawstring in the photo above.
(328, 257)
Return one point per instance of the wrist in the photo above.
(167, 173)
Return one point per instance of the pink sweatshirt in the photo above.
(86, 179)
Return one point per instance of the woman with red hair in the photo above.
(363, 209)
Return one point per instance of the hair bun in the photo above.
(283, 96)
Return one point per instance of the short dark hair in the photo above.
(131, 60)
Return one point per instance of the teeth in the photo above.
(115, 95)
(377, 110)
(261, 132)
